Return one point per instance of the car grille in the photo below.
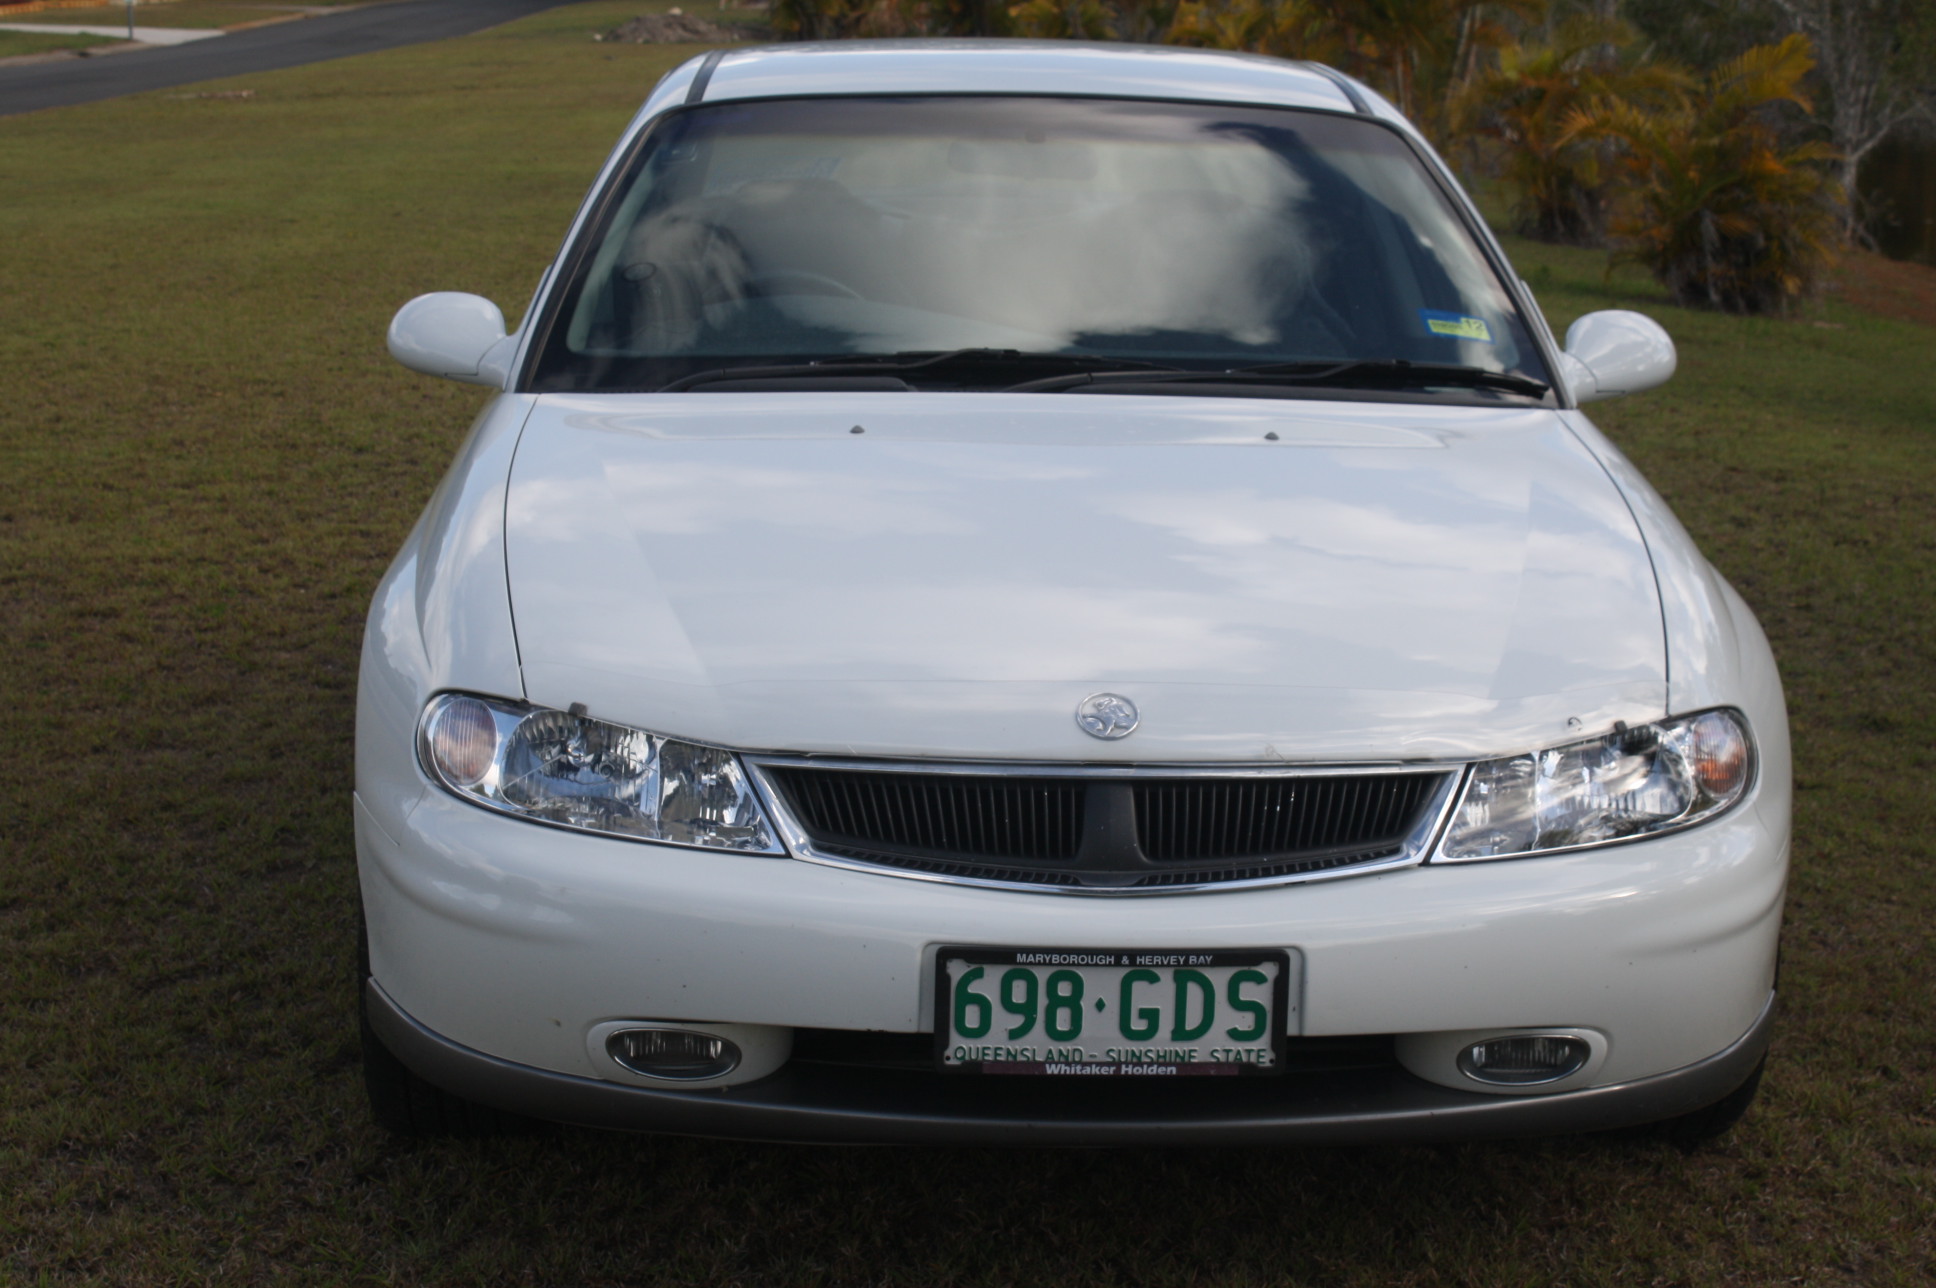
(1189, 821)
(993, 818)
(1108, 832)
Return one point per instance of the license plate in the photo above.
(1134, 1013)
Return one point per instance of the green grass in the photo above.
(207, 460)
(186, 13)
(15, 43)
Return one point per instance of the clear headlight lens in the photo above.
(1634, 782)
(564, 768)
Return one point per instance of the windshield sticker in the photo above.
(1456, 326)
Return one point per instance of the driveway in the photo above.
(362, 30)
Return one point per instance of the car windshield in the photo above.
(1069, 233)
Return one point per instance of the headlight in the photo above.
(565, 768)
(1631, 783)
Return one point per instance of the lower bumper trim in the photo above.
(864, 1106)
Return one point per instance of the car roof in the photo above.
(966, 66)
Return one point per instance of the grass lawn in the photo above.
(207, 459)
(184, 13)
(15, 43)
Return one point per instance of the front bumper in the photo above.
(846, 1106)
(514, 943)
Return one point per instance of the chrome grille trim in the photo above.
(1415, 846)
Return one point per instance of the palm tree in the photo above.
(1416, 52)
(1286, 29)
(1719, 208)
(1525, 101)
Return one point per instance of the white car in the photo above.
(1000, 565)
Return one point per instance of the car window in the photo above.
(1189, 235)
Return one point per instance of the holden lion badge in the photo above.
(1106, 715)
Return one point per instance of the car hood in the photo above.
(950, 575)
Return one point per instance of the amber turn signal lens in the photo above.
(462, 739)
(1719, 755)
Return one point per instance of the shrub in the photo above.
(1720, 209)
(1559, 180)
(856, 19)
(1416, 52)
(1143, 21)
(1288, 29)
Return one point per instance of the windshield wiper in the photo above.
(923, 361)
(1362, 373)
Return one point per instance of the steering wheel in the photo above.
(795, 281)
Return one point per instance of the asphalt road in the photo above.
(34, 86)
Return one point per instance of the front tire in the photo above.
(1717, 1119)
(405, 1104)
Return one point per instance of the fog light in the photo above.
(678, 1054)
(1523, 1059)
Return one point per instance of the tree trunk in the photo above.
(1855, 41)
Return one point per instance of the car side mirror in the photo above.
(1616, 352)
(454, 335)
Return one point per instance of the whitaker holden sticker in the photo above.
(1456, 326)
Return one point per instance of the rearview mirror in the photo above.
(454, 335)
(1616, 352)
